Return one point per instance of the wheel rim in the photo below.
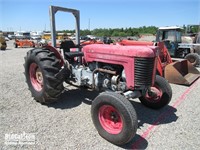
(156, 96)
(191, 60)
(36, 77)
(110, 119)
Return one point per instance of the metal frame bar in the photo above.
(52, 11)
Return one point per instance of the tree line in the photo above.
(122, 32)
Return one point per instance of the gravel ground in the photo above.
(67, 124)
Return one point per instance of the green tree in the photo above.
(118, 31)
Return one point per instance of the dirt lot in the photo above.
(68, 125)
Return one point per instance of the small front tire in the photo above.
(114, 118)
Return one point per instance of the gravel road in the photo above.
(67, 124)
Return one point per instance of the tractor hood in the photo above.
(119, 50)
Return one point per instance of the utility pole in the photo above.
(89, 24)
(45, 27)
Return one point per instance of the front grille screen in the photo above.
(143, 71)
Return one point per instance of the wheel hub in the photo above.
(36, 77)
(110, 119)
(192, 60)
(39, 76)
(114, 117)
(154, 94)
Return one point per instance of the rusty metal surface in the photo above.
(181, 72)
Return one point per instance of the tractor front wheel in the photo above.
(41, 66)
(114, 118)
(193, 58)
(159, 95)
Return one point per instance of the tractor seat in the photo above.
(66, 45)
(73, 54)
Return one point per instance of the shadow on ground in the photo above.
(75, 97)
(154, 117)
(138, 142)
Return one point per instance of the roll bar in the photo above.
(52, 11)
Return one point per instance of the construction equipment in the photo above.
(178, 72)
(23, 43)
(172, 39)
(3, 44)
(196, 44)
(123, 71)
(194, 48)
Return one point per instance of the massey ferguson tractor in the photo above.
(119, 73)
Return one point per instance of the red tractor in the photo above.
(178, 72)
(23, 43)
(120, 72)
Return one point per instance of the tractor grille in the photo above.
(143, 71)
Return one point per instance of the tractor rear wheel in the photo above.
(114, 118)
(41, 66)
(3, 48)
(193, 58)
(159, 95)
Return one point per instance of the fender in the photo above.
(136, 43)
(56, 52)
(91, 42)
(65, 71)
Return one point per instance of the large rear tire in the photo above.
(193, 58)
(114, 118)
(41, 66)
(161, 94)
(3, 46)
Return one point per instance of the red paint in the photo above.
(55, 51)
(91, 42)
(164, 57)
(119, 55)
(158, 92)
(136, 43)
(119, 50)
(110, 119)
(164, 115)
(24, 43)
(34, 81)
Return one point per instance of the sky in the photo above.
(33, 15)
